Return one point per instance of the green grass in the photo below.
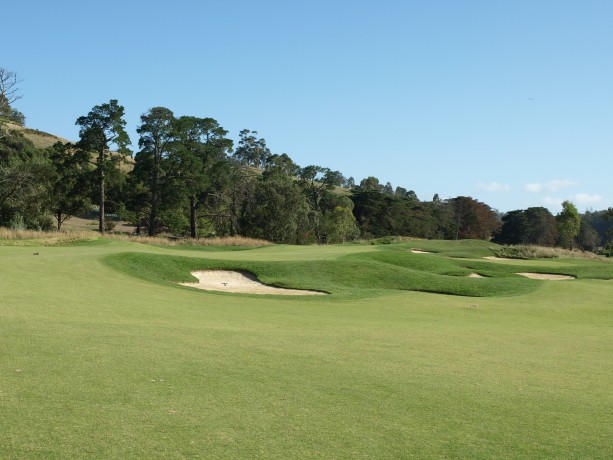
(103, 356)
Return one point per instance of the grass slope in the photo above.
(98, 364)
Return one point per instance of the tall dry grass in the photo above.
(214, 241)
(53, 237)
(541, 252)
(20, 237)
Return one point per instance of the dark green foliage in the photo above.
(102, 132)
(71, 184)
(200, 166)
(569, 224)
(514, 228)
(151, 166)
(317, 183)
(13, 145)
(283, 164)
(381, 215)
(473, 219)
(251, 151)
(588, 238)
(25, 179)
(542, 228)
(279, 212)
(535, 226)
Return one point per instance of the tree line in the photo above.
(186, 178)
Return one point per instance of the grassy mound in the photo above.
(99, 364)
(364, 274)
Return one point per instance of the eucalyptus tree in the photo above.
(102, 133)
(251, 151)
(279, 211)
(199, 155)
(316, 182)
(569, 224)
(157, 134)
(283, 163)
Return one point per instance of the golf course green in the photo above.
(104, 355)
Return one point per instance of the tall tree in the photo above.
(283, 163)
(569, 224)
(251, 151)
(279, 212)
(316, 181)
(24, 191)
(541, 227)
(201, 148)
(71, 188)
(473, 219)
(370, 183)
(102, 132)
(156, 136)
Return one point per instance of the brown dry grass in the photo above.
(13, 234)
(540, 252)
(215, 241)
(49, 238)
(40, 139)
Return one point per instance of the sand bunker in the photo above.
(546, 276)
(497, 258)
(475, 275)
(420, 251)
(241, 282)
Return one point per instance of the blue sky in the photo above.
(508, 102)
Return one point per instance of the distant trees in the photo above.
(251, 151)
(71, 182)
(569, 224)
(157, 133)
(473, 219)
(186, 179)
(102, 132)
(279, 211)
(531, 226)
(199, 159)
(316, 183)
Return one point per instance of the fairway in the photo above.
(104, 355)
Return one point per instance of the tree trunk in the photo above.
(59, 220)
(193, 227)
(101, 194)
(154, 192)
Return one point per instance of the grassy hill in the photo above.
(105, 356)
(40, 139)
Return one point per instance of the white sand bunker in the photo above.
(241, 282)
(546, 276)
(420, 251)
(475, 275)
(497, 258)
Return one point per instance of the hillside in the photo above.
(40, 139)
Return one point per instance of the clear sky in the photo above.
(508, 102)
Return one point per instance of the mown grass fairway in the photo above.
(103, 356)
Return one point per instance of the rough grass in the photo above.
(540, 252)
(240, 241)
(98, 364)
(31, 237)
(368, 273)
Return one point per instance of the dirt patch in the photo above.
(420, 251)
(475, 275)
(546, 276)
(240, 282)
